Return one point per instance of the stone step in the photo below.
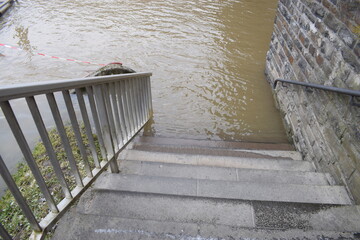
(218, 161)
(196, 150)
(79, 226)
(225, 189)
(221, 173)
(213, 144)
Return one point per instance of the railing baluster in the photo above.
(4, 234)
(94, 113)
(132, 104)
(85, 116)
(123, 118)
(126, 107)
(10, 183)
(129, 106)
(25, 149)
(146, 96)
(48, 146)
(150, 96)
(138, 97)
(77, 131)
(110, 115)
(118, 129)
(134, 98)
(142, 100)
(64, 139)
(105, 127)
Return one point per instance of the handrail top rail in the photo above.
(15, 91)
(350, 92)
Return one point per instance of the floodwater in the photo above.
(207, 57)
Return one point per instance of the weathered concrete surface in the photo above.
(318, 42)
(198, 150)
(225, 189)
(221, 161)
(222, 173)
(152, 216)
(166, 208)
(160, 141)
(93, 227)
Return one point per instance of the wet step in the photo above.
(218, 161)
(213, 144)
(295, 193)
(198, 150)
(222, 173)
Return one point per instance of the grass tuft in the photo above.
(11, 215)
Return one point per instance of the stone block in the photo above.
(351, 59)
(346, 164)
(348, 37)
(312, 50)
(334, 1)
(357, 49)
(349, 10)
(354, 185)
(332, 22)
(353, 81)
(330, 6)
(319, 59)
(352, 148)
(318, 10)
(340, 74)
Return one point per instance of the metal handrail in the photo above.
(114, 107)
(32, 89)
(350, 92)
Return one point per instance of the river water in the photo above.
(207, 57)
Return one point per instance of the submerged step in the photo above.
(221, 173)
(225, 189)
(219, 161)
(198, 150)
(214, 144)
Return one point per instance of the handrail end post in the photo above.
(275, 83)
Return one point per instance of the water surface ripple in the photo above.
(207, 57)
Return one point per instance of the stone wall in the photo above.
(318, 42)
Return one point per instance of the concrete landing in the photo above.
(130, 215)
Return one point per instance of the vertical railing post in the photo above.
(118, 123)
(123, 117)
(150, 97)
(29, 158)
(64, 139)
(10, 183)
(85, 116)
(48, 146)
(77, 131)
(95, 116)
(110, 116)
(4, 234)
(105, 127)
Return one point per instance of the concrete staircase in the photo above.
(207, 190)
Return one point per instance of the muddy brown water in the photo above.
(207, 57)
